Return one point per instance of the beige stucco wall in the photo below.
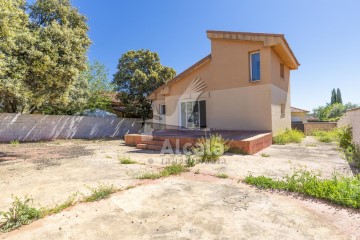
(232, 101)
(352, 119)
(299, 117)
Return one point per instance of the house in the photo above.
(244, 84)
(299, 115)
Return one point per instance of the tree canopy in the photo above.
(42, 54)
(139, 73)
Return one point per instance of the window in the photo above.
(162, 109)
(282, 111)
(282, 74)
(255, 66)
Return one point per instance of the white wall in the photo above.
(352, 119)
(47, 127)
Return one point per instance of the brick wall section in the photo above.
(47, 127)
(250, 145)
(352, 119)
(316, 126)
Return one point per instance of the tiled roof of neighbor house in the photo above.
(185, 73)
(296, 110)
(354, 109)
(277, 41)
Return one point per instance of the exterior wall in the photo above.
(46, 127)
(280, 122)
(352, 119)
(233, 102)
(299, 117)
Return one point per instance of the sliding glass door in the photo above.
(193, 114)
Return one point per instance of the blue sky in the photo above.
(324, 36)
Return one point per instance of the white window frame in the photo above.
(179, 105)
(250, 60)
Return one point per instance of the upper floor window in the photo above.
(282, 73)
(255, 66)
(162, 109)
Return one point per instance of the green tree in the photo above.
(139, 73)
(97, 77)
(333, 96)
(63, 43)
(16, 49)
(338, 96)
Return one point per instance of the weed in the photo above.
(222, 175)
(327, 136)
(126, 160)
(71, 201)
(101, 192)
(210, 149)
(289, 136)
(15, 142)
(197, 171)
(21, 213)
(311, 145)
(339, 189)
(190, 161)
(265, 155)
(174, 169)
(107, 156)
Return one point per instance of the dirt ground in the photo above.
(190, 206)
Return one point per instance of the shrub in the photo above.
(289, 136)
(101, 192)
(341, 190)
(126, 160)
(350, 149)
(210, 150)
(21, 213)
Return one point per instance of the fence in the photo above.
(46, 127)
(310, 127)
(352, 119)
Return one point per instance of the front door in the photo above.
(193, 114)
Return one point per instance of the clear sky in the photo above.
(324, 35)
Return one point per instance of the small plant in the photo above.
(236, 150)
(190, 161)
(15, 142)
(311, 145)
(222, 175)
(174, 169)
(101, 192)
(126, 160)
(71, 201)
(21, 213)
(264, 155)
(339, 189)
(210, 149)
(197, 171)
(289, 136)
(107, 156)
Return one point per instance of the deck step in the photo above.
(154, 147)
(153, 142)
(141, 146)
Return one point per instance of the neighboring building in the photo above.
(299, 115)
(244, 84)
(352, 119)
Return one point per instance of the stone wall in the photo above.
(47, 127)
(352, 119)
(310, 127)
